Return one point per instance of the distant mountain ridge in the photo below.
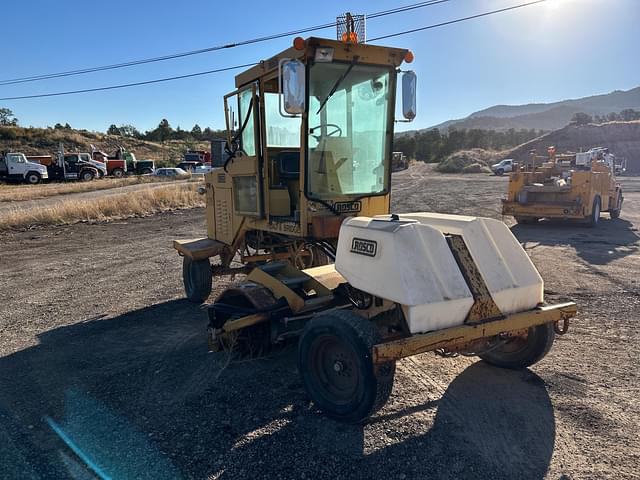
(546, 116)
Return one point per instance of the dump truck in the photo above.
(116, 163)
(573, 186)
(70, 166)
(17, 167)
(303, 209)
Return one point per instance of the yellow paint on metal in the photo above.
(451, 337)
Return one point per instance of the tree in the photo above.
(581, 118)
(629, 114)
(128, 130)
(67, 126)
(196, 132)
(113, 130)
(7, 117)
(58, 126)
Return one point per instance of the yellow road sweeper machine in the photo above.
(302, 207)
(574, 186)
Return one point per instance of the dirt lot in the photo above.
(103, 364)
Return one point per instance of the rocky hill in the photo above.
(44, 141)
(546, 116)
(622, 138)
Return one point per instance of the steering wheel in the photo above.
(336, 130)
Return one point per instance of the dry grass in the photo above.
(34, 192)
(112, 207)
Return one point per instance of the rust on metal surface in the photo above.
(450, 338)
(484, 307)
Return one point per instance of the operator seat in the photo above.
(325, 162)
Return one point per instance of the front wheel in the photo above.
(33, 178)
(522, 352)
(197, 279)
(334, 361)
(500, 172)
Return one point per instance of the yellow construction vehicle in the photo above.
(307, 183)
(577, 186)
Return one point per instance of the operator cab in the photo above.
(333, 147)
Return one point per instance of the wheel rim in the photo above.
(335, 368)
(33, 179)
(596, 213)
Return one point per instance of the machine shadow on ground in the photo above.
(609, 241)
(138, 396)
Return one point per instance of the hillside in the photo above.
(546, 116)
(43, 141)
(623, 138)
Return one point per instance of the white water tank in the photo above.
(512, 279)
(409, 262)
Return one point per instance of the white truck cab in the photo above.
(504, 166)
(15, 166)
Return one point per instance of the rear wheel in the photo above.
(522, 352)
(615, 212)
(86, 176)
(594, 218)
(118, 173)
(334, 360)
(500, 172)
(197, 279)
(33, 178)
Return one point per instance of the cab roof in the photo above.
(343, 51)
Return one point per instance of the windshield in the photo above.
(349, 130)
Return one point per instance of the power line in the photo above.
(457, 20)
(131, 63)
(208, 72)
(134, 84)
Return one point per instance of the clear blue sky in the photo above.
(553, 51)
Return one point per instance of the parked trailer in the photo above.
(17, 167)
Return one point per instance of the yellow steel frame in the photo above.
(451, 337)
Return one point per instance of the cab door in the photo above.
(245, 169)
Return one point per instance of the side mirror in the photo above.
(292, 84)
(409, 80)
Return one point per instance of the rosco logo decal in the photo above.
(362, 246)
(347, 207)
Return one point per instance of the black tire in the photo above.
(197, 279)
(615, 213)
(117, 172)
(522, 353)
(87, 176)
(337, 371)
(594, 218)
(32, 178)
(500, 172)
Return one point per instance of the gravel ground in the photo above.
(104, 370)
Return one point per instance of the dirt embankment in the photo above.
(622, 138)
